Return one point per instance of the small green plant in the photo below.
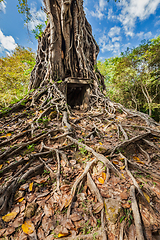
(59, 81)
(127, 216)
(43, 120)
(54, 234)
(83, 151)
(46, 172)
(31, 147)
(94, 235)
(86, 228)
(98, 223)
(73, 145)
(23, 181)
(23, 103)
(148, 176)
(81, 140)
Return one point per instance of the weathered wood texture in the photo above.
(67, 47)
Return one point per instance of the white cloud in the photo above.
(7, 42)
(106, 44)
(111, 41)
(3, 6)
(38, 17)
(114, 31)
(142, 35)
(111, 15)
(99, 9)
(98, 13)
(116, 39)
(157, 22)
(102, 4)
(133, 10)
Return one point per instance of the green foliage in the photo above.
(38, 31)
(59, 81)
(15, 74)
(133, 79)
(24, 9)
(30, 146)
(83, 151)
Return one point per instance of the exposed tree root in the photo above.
(137, 218)
(71, 165)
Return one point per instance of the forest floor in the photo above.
(85, 175)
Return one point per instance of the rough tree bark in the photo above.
(67, 47)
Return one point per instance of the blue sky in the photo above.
(115, 26)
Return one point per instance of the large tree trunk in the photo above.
(67, 47)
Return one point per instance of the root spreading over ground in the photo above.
(74, 174)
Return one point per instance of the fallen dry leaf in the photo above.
(24, 187)
(62, 235)
(31, 186)
(9, 231)
(48, 210)
(48, 224)
(115, 162)
(126, 205)
(101, 180)
(68, 202)
(40, 234)
(104, 175)
(97, 207)
(123, 167)
(20, 200)
(10, 216)
(28, 227)
(18, 221)
(147, 197)
(65, 187)
(123, 176)
(124, 196)
(2, 231)
(75, 217)
(8, 134)
(67, 223)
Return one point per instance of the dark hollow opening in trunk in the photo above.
(75, 94)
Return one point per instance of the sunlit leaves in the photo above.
(15, 75)
(24, 9)
(132, 79)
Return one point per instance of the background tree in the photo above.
(133, 78)
(15, 75)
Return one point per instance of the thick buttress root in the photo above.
(83, 174)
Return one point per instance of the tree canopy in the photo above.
(134, 77)
(15, 75)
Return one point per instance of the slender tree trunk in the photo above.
(149, 100)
